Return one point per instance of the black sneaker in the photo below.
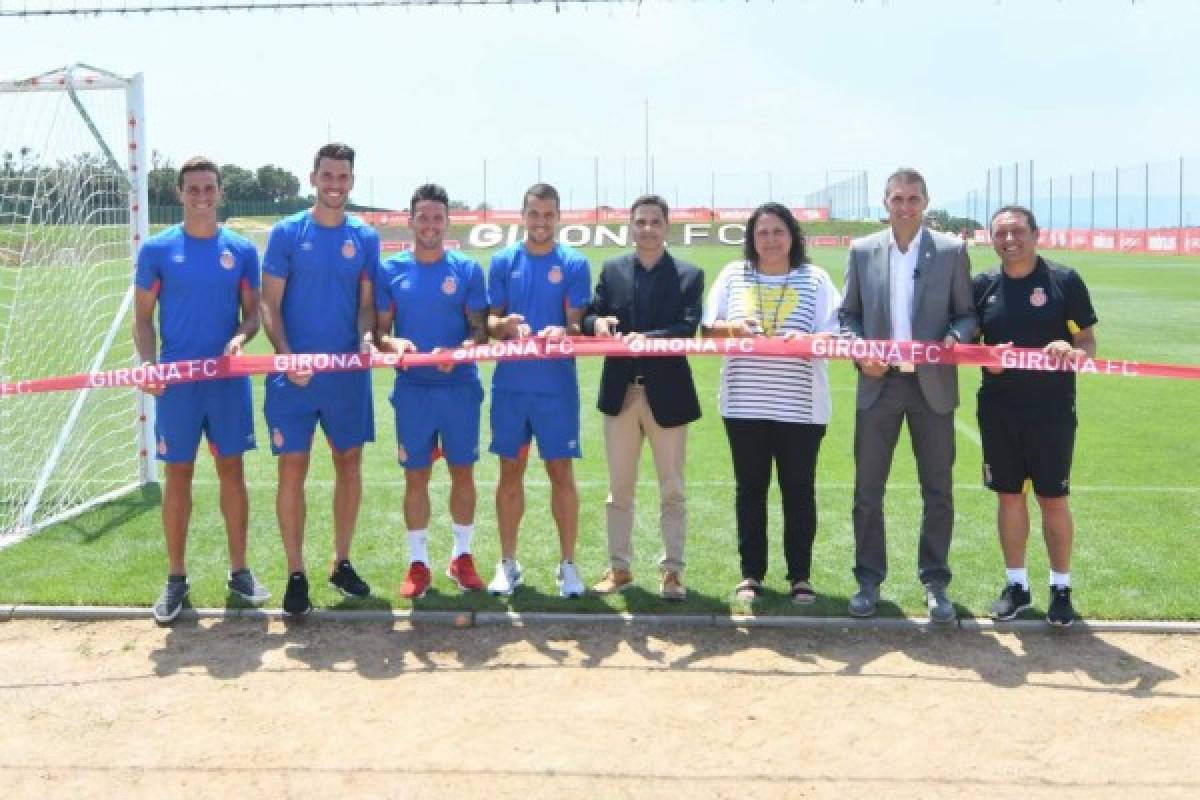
(346, 581)
(1061, 613)
(295, 598)
(1013, 600)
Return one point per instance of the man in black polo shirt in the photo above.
(1027, 418)
(647, 293)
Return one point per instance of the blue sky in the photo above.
(741, 95)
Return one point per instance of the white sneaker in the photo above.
(568, 581)
(508, 577)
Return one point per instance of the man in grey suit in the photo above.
(906, 283)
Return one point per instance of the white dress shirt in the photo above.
(902, 267)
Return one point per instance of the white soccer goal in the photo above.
(72, 214)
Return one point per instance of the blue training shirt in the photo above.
(431, 302)
(540, 288)
(199, 287)
(324, 268)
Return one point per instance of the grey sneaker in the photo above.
(864, 601)
(170, 602)
(1013, 600)
(941, 610)
(243, 584)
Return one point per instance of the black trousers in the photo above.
(756, 445)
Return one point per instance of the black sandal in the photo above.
(802, 593)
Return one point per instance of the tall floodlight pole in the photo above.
(1117, 199)
(1179, 236)
(1146, 214)
(646, 125)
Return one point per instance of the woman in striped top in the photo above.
(775, 409)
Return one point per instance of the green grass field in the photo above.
(1136, 499)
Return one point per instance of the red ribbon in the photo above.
(533, 348)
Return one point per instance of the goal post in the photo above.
(73, 212)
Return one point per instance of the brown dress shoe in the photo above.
(615, 580)
(672, 587)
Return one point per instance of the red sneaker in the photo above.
(416, 582)
(462, 572)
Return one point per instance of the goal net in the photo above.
(72, 213)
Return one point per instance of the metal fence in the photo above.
(1147, 196)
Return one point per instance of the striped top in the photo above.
(774, 388)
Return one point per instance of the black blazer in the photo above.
(675, 312)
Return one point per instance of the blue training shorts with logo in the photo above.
(550, 418)
(221, 410)
(432, 416)
(339, 401)
(1017, 449)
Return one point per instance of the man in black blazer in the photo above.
(645, 294)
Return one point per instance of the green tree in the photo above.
(161, 183)
(240, 185)
(276, 183)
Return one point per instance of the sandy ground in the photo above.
(254, 708)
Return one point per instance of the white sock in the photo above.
(1060, 579)
(462, 539)
(1019, 575)
(418, 546)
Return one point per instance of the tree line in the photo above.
(267, 184)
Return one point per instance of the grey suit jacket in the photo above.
(941, 303)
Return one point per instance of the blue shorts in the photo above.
(432, 416)
(222, 410)
(340, 401)
(553, 419)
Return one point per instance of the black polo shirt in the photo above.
(1049, 303)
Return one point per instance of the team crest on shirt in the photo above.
(227, 259)
(1037, 297)
(555, 275)
(348, 249)
(277, 437)
(449, 285)
(162, 446)
(178, 258)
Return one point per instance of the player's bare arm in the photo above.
(251, 318)
(145, 338)
(366, 316)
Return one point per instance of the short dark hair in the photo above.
(428, 191)
(197, 164)
(906, 175)
(650, 200)
(1014, 209)
(542, 191)
(337, 151)
(797, 255)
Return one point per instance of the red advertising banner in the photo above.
(1160, 241)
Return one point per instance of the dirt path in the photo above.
(246, 708)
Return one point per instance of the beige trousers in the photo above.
(623, 436)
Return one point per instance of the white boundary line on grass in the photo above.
(474, 619)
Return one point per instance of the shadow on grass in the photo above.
(113, 515)
(1049, 659)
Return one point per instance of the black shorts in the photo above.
(1017, 449)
